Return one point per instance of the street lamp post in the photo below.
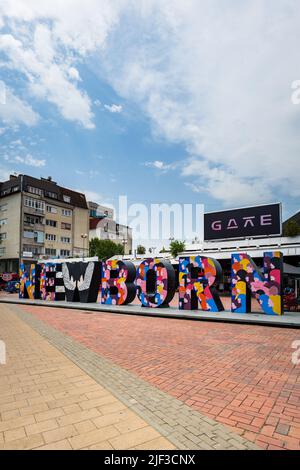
(124, 241)
(83, 236)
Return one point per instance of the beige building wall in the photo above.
(58, 231)
(81, 221)
(11, 212)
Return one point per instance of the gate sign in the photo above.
(246, 222)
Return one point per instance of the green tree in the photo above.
(140, 250)
(105, 249)
(292, 229)
(176, 247)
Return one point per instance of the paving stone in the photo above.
(142, 394)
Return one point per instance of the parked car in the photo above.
(12, 287)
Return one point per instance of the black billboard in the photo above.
(243, 223)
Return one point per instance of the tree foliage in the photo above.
(105, 249)
(141, 250)
(292, 229)
(176, 247)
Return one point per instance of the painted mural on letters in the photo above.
(118, 286)
(197, 276)
(266, 287)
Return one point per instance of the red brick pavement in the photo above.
(239, 375)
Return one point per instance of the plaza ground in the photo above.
(80, 379)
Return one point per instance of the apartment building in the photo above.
(40, 220)
(104, 227)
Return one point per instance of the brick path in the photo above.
(239, 375)
(184, 427)
(47, 402)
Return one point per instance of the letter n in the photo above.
(118, 286)
(266, 287)
(197, 276)
(29, 282)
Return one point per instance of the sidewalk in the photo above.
(47, 402)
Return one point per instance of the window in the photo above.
(28, 234)
(2, 250)
(51, 209)
(51, 223)
(39, 237)
(3, 222)
(64, 252)
(65, 239)
(35, 250)
(51, 237)
(50, 251)
(66, 212)
(51, 195)
(35, 204)
(32, 220)
(65, 226)
(3, 236)
(33, 190)
(66, 198)
(3, 207)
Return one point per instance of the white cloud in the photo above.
(46, 40)
(114, 108)
(4, 173)
(213, 76)
(159, 165)
(94, 196)
(74, 74)
(217, 77)
(48, 79)
(97, 103)
(16, 111)
(27, 160)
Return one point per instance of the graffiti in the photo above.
(197, 276)
(29, 282)
(266, 287)
(117, 282)
(51, 282)
(82, 281)
(155, 281)
(118, 286)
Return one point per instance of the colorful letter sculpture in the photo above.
(82, 281)
(247, 279)
(197, 276)
(155, 281)
(118, 286)
(51, 282)
(29, 282)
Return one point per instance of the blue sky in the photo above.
(164, 101)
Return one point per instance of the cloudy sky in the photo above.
(162, 100)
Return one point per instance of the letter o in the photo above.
(155, 282)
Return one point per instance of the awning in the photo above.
(289, 269)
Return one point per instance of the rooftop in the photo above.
(51, 189)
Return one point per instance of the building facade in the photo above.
(40, 220)
(104, 227)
